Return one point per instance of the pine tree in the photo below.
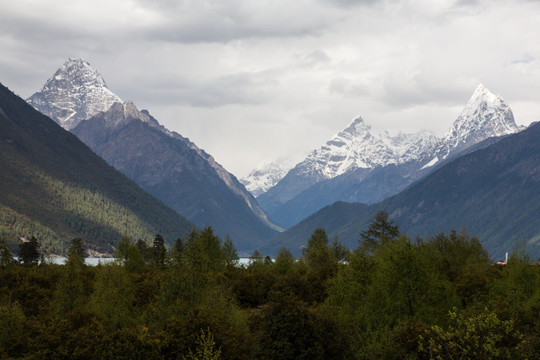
(76, 252)
(319, 257)
(231, 255)
(6, 257)
(159, 253)
(29, 253)
(380, 231)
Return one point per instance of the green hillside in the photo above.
(331, 218)
(55, 188)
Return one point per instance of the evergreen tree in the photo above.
(339, 251)
(29, 253)
(284, 260)
(69, 293)
(231, 255)
(113, 296)
(121, 253)
(144, 250)
(128, 254)
(77, 252)
(205, 253)
(6, 257)
(319, 257)
(179, 247)
(159, 252)
(405, 285)
(380, 231)
(256, 256)
(348, 291)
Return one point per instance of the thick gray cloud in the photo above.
(232, 89)
(260, 80)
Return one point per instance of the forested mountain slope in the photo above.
(55, 188)
(176, 171)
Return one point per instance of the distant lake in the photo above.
(92, 261)
(89, 261)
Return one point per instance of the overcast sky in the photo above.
(256, 80)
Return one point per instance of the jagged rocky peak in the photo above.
(120, 113)
(74, 93)
(485, 115)
(356, 127)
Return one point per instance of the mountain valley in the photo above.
(339, 186)
(164, 163)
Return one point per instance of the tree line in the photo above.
(391, 297)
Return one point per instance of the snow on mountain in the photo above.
(265, 176)
(354, 150)
(360, 146)
(486, 115)
(74, 93)
(364, 164)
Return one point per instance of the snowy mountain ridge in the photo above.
(359, 146)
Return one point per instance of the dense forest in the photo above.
(391, 298)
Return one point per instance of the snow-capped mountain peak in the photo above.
(485, 115)
(74, 93)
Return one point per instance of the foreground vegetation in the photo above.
(390, 298)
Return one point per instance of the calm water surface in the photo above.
(95, 261)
